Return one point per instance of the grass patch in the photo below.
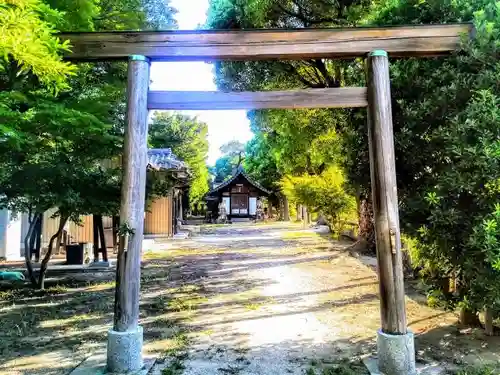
(299, 234)
(175, 367)
(177, 354)
(75, 311)
(207, 332)
(100, 286)
(230, 370)
(478, 371)
(57, 289)
(187, 298)
(158, 254)
(253, 306)
(179, 343)
(341, 368)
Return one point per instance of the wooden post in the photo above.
(133, 196)
(174, 211)
(384, 191)
(95, 237)
(181, 209)
(103, 248)
(116, 225)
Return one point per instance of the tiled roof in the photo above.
(163, 158)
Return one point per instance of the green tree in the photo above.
(450, 115)
(28, 44)
(233, 156)
(235, 150)
(324, 193)
(309, 140)
(444, 114)
(223, 168)
(261, 163)
(187, 137)
(60, 142)
(55, 163)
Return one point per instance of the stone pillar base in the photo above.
(396, 354)
(125, 351)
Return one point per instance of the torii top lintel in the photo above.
(277, 44)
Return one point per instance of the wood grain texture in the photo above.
(385, 199)
(214, 100)
(133, 198)
(423, 40)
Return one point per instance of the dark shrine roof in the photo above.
(239, 172)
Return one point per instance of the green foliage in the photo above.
(187, 138)
(233, 155)
(235, 150)
(450, 116)
(28, 44)
(54, 159)
(53, 148)
(290, 142)
(445, 114)
(96, 15)
(303, 141)
(324, 193)
(223, 168)
(261, 163)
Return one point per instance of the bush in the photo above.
(324, 194)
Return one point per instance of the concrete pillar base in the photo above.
(396, 354)
(125, 351)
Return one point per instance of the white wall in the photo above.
(10, 235)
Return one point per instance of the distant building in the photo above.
(161, 217)
(240, 195)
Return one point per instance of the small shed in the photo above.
(164, 213)
(240, 195)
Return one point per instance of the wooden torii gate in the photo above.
(395, 343)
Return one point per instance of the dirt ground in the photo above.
(240, 299)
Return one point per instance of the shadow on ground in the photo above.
(189, 291)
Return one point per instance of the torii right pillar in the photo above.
(395, 344)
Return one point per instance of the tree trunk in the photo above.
(305, 216)
(58, 242)
(366, 225)
(281, 213)
(32, 239)
(299, 212)
(38, 234)
(46, 258)
(469, 317)
(27, 250)
(286, 208)
(488, 322)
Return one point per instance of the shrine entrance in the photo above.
(396, 353)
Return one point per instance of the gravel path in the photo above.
(236, 299)
(281, 300)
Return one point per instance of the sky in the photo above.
(223, 126)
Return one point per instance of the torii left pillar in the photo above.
(126, 337)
